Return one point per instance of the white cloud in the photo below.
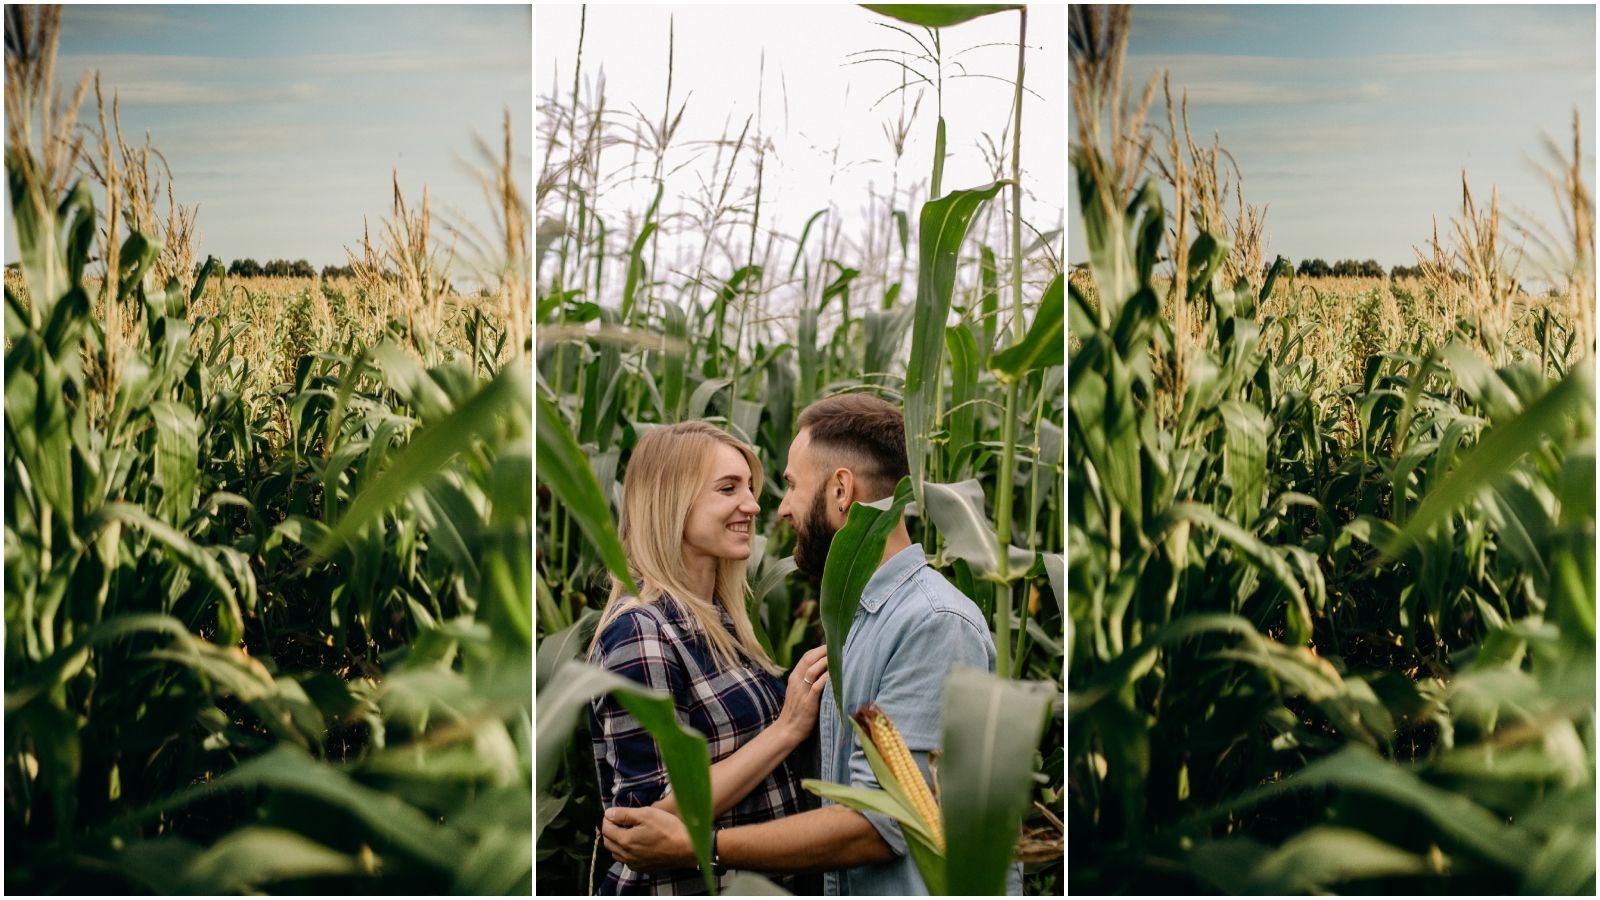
(105, 21)
(1269, 93)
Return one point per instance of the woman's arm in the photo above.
(736, 775)
(820, 840)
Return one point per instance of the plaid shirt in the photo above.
(659, 645)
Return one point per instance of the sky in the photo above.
(823, 108)
(1355, 122)
(284, 122)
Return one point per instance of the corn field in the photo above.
(1331, 565)
(267, 589)
(747, 331)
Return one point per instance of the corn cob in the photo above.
(892, 748)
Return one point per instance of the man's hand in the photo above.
(647, 839)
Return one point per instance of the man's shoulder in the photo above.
(930, 598)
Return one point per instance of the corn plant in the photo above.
(254, 640)
(1308, 626)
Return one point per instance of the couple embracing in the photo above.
(690, 498)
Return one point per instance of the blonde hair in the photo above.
(666, 473)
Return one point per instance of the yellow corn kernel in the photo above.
(892, 748)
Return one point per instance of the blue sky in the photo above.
(283, 122)
(1355, 122)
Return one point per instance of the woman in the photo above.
(688, 507)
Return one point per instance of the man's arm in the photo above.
(822, 840)
(833, 837)
(911, 694)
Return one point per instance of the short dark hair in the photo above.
(867, 428)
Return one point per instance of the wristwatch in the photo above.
(716, 858)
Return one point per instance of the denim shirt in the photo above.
(911, 629)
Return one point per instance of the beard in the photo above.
(812, 538)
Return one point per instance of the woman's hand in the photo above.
(647, 839)
(807, 683)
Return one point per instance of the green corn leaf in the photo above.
(564, 467)
(254, 856)
(936, 15)
(700, 402)
(568, 643)
(288, 768)
(230, 619)
(431, 449)
(1497, 453)
(1320, 857)
(855, 554)
(885, 333)
(1266, 558)
(988, 301)
(501, 865)
(177, 458)
(1042, 346)
(944, 225)
(1137, 662)
(1244, 458)
(675, 330)
(800, 247)
(1280, 266)
(959, 511)
(992, 727)
(962, 418)
(688, 767)
(64, 664)
(1357, 768)
(775, 574)
(636, 263)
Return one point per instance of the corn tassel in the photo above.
(892, 748)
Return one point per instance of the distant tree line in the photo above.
(281, 268)
(1353, 268)
(1406, 272)
(1344, 268)
(277, 268)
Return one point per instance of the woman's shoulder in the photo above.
(639, 621)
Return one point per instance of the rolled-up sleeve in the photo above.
(912, 695)
(634, 647)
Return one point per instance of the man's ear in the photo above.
(841, 489)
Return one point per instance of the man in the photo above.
(912, 627)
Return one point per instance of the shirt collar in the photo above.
(891, 575)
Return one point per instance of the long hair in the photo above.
(667, 471)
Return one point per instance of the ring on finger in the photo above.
(807, 680)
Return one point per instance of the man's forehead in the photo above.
(799, 456)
